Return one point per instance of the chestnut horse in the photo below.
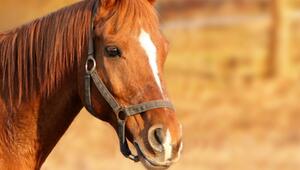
(107, 56)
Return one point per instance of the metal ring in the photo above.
(93, 61)
(122, 115)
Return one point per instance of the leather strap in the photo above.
(118, 109)
(139, 108)
(129, 110)
(105, 92)
(122, 112)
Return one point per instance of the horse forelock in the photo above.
(132, 15)
(35, 57)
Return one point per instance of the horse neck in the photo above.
(29, 134)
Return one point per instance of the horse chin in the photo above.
(149, 163)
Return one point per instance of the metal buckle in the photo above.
(121, 115)
(90, 60)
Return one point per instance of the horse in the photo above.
(103, 55)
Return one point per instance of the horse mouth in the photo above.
(149, 163)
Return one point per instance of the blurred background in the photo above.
(233, 73)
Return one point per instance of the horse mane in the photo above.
(35, 57)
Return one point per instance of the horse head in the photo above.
(127, 52)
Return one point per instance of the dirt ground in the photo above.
(232, 118)
(226, 129)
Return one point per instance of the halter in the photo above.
(121, 112)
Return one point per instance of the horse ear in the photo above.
(108, 3)
(152, 1)
(104, 8)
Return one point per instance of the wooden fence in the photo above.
(278, 61)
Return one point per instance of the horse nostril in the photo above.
(158, 135)
(156, 138)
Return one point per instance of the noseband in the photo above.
(121, 112)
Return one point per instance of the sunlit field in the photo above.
(233, 117)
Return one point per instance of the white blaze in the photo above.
(151, 51)
(180, 149)
(168, 145)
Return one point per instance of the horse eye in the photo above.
(113, 51)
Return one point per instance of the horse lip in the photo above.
(149, 162)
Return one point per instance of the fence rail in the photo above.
(215, 21)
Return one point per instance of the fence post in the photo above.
(278, 61)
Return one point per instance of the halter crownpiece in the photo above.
(122, 112)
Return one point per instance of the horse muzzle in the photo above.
(161, 153)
